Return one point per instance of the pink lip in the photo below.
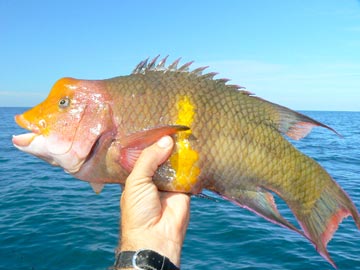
(23, 140)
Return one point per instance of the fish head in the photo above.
(66, 126)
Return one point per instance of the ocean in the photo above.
(49, 220)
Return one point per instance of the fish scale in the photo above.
(227, 140)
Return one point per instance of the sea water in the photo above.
(49, 220)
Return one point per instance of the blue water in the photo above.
(49, 220)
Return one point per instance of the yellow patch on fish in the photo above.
(185, 158)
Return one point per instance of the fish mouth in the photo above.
(24, 140)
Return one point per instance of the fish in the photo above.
(227, 140)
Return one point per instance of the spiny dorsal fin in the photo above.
(174, 65)
(140, 67)
(291, 123)
(146, 66)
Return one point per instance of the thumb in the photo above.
(150, 159)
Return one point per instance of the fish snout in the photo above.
(26, 124)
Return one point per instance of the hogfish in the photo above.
(227, 141)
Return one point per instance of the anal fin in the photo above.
(261, 203)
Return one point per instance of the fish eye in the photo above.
(64, 103)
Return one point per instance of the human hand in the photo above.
(151, 219)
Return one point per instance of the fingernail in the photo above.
(164, 142)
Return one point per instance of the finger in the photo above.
(179, 203)
(177, 207)
(150, 159)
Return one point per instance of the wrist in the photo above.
(165, 247)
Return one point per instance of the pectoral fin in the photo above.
(133, 144)
(144, 138)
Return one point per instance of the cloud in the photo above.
(312, 86)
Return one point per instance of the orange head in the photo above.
(43, 117)
(66, 125)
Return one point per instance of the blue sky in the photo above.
(302, 54)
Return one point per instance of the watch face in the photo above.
(143, 259)
(149, 260)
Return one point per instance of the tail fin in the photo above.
(319, 222)
(324, 218)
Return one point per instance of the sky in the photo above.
(302, 54)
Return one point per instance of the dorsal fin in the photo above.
(294, 124)
(174, 65)
(147, 66)
(153, 62)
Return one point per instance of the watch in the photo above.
(143, 259)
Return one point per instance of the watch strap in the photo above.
(143, 259)
(124, 259)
